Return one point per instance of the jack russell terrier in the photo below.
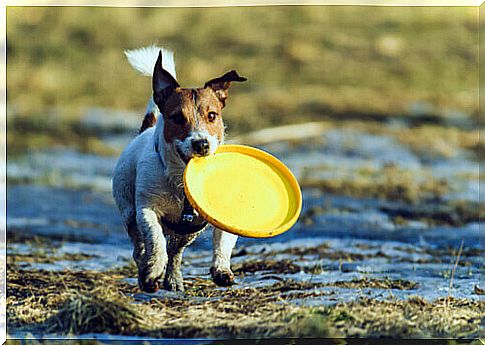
(180, 123)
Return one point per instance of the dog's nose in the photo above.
(201, 147)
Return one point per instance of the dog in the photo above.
(179, 124)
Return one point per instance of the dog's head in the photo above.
(192, 117)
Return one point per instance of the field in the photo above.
(374, 109)
(303, 63)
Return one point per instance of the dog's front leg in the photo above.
(154, 261)
(176, 245)
(223, 243)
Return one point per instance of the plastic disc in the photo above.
(244, 191)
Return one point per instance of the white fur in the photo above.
(152, 108)
(223, 243)
(147, 186)
(143, 59)
(186, 145)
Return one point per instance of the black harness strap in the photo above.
(186, 224)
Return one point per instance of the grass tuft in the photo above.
(96, 312)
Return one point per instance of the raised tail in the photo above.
(143, 60)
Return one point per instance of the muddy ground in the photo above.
(387, 245)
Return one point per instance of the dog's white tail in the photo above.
(144, 59)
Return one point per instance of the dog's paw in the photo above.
(173, 284)
(148, 285)
(149, 277)
(222, 277)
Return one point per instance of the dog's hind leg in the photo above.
(175, 248)
(223, 243)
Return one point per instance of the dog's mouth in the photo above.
(187, 154)
(186, 158)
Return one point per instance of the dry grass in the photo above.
(435, 141)
(97, 311)
(365, 283)
(425, 140)
(41, 131)
(31, 341)
(445, 317)
(34, 296)
(85, 302)
(388, 183)
(455, 213)
(46, 258)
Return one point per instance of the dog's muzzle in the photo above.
(201, 147)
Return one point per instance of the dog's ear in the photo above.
(163, 83)
(221, 85)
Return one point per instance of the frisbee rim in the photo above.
(268, 159)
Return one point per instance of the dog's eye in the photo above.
(178, 118)
(211, 116)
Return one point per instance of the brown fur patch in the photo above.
(181, 117)
(207, 101)
(148, 121)
(176, 109)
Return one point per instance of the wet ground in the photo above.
(386, 225)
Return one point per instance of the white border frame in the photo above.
(140, 3)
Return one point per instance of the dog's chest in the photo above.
(171, 207)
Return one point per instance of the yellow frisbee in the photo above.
(244, 191)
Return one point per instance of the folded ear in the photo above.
(163, 83)
(221, 85)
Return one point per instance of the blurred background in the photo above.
(374, 109)
(303, 63)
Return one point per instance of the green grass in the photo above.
(302, 62)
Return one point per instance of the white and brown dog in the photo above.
(180, 123)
